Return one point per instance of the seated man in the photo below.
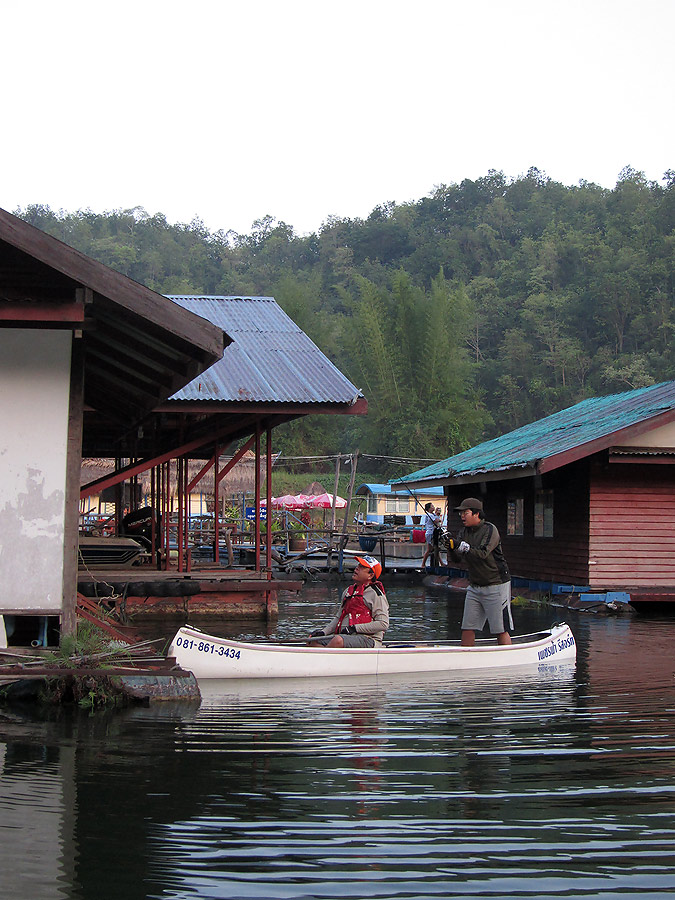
(363, 615)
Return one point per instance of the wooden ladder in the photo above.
(92, 612)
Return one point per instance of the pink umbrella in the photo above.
(325, 501)
(288, 501)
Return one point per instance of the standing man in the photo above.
(431, 522)
(478, 549)
(363, 615)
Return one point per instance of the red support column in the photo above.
(257, 497)
(268, 497)
(179, 524)
(167, 516)
(216, 517)
(186, 504)
(155, 511)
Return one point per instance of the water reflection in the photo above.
(549, 782)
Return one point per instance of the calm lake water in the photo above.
(559, 783)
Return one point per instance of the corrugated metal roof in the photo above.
(590, 420)
(270, 359)
(388, 489)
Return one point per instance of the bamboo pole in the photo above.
(335, 490)
(333, 511)
(344, 537)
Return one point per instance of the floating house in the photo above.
(270, 373)
(584, 499)
(85, 354)
(386, 504)
(95, 365)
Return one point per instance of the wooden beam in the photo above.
(72, 510)
(94, 487)
(235, 459)
(32, 313)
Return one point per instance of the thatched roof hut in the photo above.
(314, 489)
(240, 479)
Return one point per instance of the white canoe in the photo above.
(214, 657)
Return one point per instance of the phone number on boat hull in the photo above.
(206, 647)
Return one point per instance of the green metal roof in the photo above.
(570, 434)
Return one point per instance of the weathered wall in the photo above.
(632, 525)
(659, 437)
(34, 394)
(562, 557)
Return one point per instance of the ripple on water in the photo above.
(553, 783)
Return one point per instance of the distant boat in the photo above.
(108, 552)
(214, 657)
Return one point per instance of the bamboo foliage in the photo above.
(410, 347)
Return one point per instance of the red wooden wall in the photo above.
(562, 558)
(632, 525)
(614, 524)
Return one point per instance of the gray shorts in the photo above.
(358, 640)
(490, 604)
(350, 640)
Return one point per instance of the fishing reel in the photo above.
(446, 541)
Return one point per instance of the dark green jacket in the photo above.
(485, 561)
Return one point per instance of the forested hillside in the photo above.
(472, 311)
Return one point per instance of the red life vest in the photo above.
(354, 607)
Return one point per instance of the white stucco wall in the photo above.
(659, 437)
(34, 395)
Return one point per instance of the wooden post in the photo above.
(228, 544)
(72, 505)
(332, 515)
(335, 490)
(344, 538)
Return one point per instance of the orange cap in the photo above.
(370, 563)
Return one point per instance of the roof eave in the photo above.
(116, 288)
(506, 474)
(358, 407)
(549, 463)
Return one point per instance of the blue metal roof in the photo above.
(388, 489)
(269, 360)
(593, 422)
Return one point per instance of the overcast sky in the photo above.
(303, 109)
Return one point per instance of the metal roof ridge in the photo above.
(533, 432)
